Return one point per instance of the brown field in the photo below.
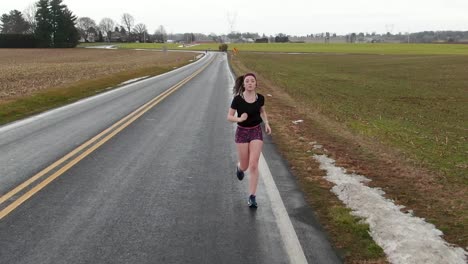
(26, 71)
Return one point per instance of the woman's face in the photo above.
(250, 83)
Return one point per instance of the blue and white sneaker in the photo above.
(239, 173)
(252, 202)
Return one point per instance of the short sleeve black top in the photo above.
(252, 109)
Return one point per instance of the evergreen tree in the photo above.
(72, 35)
(122, 30)
(57, 22)
(44, 28)
(101, 37)
(14, 23)
(63, 27)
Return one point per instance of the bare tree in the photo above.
(29, 14)
(84, 24)
(162, 30)
(160, 34)
(128, 21)
(213, 37)
(107, 25)
(141, 31)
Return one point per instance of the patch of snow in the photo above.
(188, 46)
(102, 47)
(406, 239)
(297, 122)
(134, 80)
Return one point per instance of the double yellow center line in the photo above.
(95, 143)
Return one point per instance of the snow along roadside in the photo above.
(404, 238)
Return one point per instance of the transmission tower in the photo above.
(389, 28)
(231, 17)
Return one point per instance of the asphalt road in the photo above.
(162, 190)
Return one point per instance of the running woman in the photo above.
(250, 109)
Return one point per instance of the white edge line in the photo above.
(291, 242)
(33, 118)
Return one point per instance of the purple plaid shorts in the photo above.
(247, 134)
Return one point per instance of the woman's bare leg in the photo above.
(255, 149)
(243, 155)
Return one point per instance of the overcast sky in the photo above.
(292, 17)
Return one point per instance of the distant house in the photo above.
(243, 40)
(261, 40)
(371, 40)
(205, 41)
(319, 39)
(91, 38)
(118, 37)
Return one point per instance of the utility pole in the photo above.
(409, 35)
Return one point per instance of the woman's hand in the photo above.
(243, 117)
(267, 129)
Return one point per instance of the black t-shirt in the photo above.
(252, 109)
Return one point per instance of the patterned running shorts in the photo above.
(247, 134)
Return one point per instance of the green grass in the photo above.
(171, 46)
(347, 48)
(364, 246)
(418, 104)
(90, 44)
(149, 46)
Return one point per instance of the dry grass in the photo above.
(36, 80)
(26, 71)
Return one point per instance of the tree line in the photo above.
(109, 30)
(50, 24)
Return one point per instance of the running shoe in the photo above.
(239, 173)
(252, 201)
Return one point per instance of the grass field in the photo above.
(413, 107)
(416, 103)
(90, 44)
(374, 48)
(33, 80)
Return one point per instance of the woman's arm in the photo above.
(264, 116)
(232, 118)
